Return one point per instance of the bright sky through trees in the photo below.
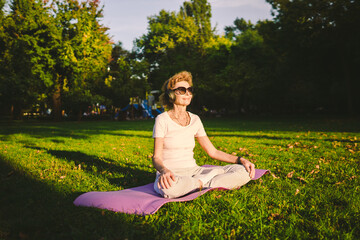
(127, 19)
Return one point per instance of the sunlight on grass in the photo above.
(312, 191)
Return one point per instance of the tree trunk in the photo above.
(57, 104)
(79, 116)
(16, 112)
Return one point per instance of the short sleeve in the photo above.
(159, 129)
(201, 131)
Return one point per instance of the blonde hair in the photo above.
(167, 98)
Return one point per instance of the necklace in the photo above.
(181, 122)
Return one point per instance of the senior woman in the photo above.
(174, 136)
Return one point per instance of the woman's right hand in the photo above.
(166, 178)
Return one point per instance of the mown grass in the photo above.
(313, 192)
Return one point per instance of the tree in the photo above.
(200, 11)
(176, 41)
(3, 47)
(82, 53)
(238, 69)
(54, 50)
(127, 77)
(319, 42)
(27, 58)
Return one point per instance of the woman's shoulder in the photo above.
(194, 116)
(161, 116)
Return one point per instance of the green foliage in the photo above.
(27, 59)
(303, 61)
(176, 41)
(83, 50)
(311, 193)
(318, 42)
(49, 45)
(126, 77)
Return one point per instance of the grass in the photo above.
(312, 193)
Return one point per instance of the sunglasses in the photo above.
(183, 90)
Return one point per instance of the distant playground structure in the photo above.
(136, 108)
(141, 108)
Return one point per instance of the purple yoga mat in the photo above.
(141, 200)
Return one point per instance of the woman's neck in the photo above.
(179, 110)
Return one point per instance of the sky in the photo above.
(127, 19)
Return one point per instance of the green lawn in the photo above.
(313, 191)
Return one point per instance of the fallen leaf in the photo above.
(297, 192)
(274, 216)
(302, 179)
(290, 174)
(243, 149)
(317, 166)
(273, 175)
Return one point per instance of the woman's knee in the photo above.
(242, 175)
(235, 168)
(172, 191)
(181, 186)
(235, 176)
(169, 193)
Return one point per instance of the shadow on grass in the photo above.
(132, 176)
(75, 130)
(82, 130)
(31, 209)
(282, 138)
(288, 124)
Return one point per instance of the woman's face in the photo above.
(182, 100)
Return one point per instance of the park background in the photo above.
(57, 55)
(286, 90)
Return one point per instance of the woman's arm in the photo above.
(165, 174)
(209, 148)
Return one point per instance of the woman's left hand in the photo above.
(249, 166)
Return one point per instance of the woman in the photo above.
(174, 132)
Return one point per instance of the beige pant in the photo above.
(187, 180)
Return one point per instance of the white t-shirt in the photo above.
(179, 141)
